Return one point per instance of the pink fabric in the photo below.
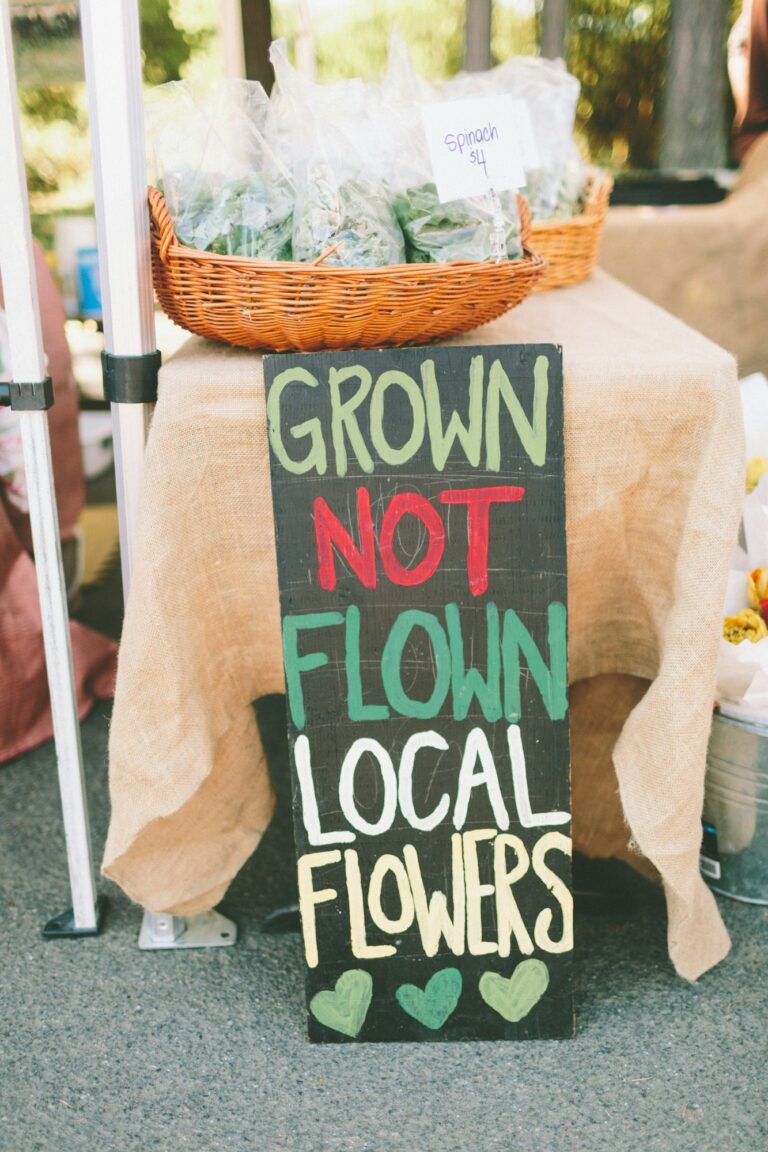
(25, 714)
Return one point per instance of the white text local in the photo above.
(477, 771)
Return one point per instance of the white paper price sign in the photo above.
(477, 144)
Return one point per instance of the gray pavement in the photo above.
(103, 1047)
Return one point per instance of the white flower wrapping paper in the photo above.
(742, 671)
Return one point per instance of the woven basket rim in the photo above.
(179, 251)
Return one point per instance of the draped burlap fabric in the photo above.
(654, 474)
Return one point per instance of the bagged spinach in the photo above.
(250, 217)
(328, 136)
(458, 230)
(350, 219)
(473, 228)
(556, 186)
(222, 180)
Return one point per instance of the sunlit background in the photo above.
(616, 48)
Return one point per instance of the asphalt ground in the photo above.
(105, 1047)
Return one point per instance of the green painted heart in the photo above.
(514, 998)
(345, 1009)
(434, 1004)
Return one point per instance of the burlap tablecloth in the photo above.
(654, 471)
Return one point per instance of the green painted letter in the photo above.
(296, 664)
(411, 389)
(469, 682)
(356, 708)
(343, 417)
(532, 433)
(551, 682)
(316, 457)
(393, 654)
(470, 436)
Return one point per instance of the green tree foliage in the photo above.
(352, 40)
(166, 47)
(41, 105)
(616, 49)
(513, 34)
(54, 116)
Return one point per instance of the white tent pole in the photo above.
(28, 368)
(112, 50)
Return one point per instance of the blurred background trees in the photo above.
(617, 49)
(54, 115)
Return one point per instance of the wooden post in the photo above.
(231, 38)
(554, 22)
(257, 36)
(694, 125)
(477, 35)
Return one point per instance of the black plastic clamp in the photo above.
(130, 379)
(36, 397)
(63, 926)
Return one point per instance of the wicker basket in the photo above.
(570, 246)
(285, 306)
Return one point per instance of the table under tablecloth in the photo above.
(654, 480)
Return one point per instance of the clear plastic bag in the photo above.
(224, 185)
(329, 135)
(556, 186)
(475, 228)
(564, 198)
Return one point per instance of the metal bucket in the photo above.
(734, 856)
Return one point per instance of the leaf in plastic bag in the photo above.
(223, 182)
(459, 230)
(355, 214)
(250, 217)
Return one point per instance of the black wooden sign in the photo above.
(420, 513)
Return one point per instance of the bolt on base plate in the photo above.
(206, 930)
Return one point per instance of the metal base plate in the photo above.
(63, 926)
(160, 930)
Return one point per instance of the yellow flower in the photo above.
(757, 467)
(757, 587)
(747, 625)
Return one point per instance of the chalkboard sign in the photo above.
(420, 514)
